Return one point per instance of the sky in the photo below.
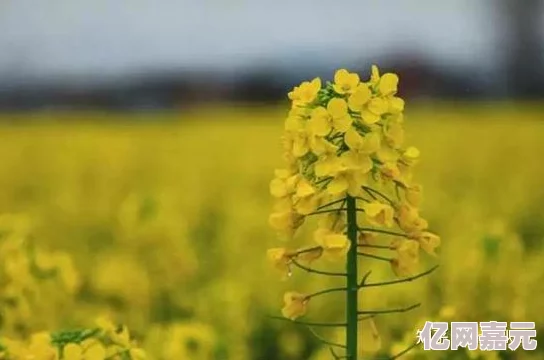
(51, 38)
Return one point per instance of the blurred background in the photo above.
(81, 54)
(138, 140)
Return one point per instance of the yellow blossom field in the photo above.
(159, 221)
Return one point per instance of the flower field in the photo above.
(159, 222)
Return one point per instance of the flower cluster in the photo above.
(106, 341)
(346, 139)
(27, 272)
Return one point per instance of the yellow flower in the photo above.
(368, 144)
(310, 254)
(406, 260)
(329, 235)
(320, 122)
(40, 347)
(374, 75)
(390, 171)
(394, 135)
(345, 82)
(338, 110)
(303, 141)
(281, 259)
(306, 198)
(414, 194)
(295, 305)
(121, 337)
(360, 97)
(335, 245)
(409, 219)
(335, 221)
(137, 354)
(335, 116)
(388, 84)
(347, 181)
(350, 174)
(367, 238)
(105, 324)
(283, 183)
(427, 241)
(387, 155)
(410, 156)
(77, 352)
(379, 214)
(305, 93)
(286, 222)
(396, 105)
(328, 164)
(373, 110)
(295, 122)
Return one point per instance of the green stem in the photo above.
(323, 324)
(324, 212)
(372, 256)
(326, 291)
(399, 281)
(389, 311)
(352, 282)
(381, 231)
(315, 271)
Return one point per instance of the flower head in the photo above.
(345, 82)
(295, 305)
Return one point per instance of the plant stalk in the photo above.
(352, 282)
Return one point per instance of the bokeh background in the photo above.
(137, 141)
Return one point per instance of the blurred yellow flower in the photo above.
(281, 259)
(295, 305)
(379, 214)
(406, 260)
(427, 241)
(335, 246)
(414, 194)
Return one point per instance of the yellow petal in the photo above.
(294, 123)
(375, 75)
(359, 98)
(369, 340)
(353, 140)
(72, 352)
(338, 185)
(304, 188)
(388, 84)
(371, 143)
(95, 352)
(378, 106)
(345, 82)
(278, 188)
(294, 305)
(319, 123)
(307, 205)
(280, 221)
(338, 108)
(414, 195)
(396, 105)
(137, 354)
(342, 124)
(369, 117)
(300, 145)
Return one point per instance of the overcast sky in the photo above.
(59, 37)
